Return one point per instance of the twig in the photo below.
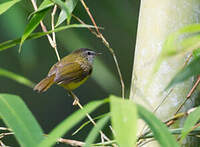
(53, 33)
(89, 117)
(71, 142)
(6, 134)
(191, 91)
(107, 45)
(44, 29)
(80, 143)
(2, 144)
(5, 129)
(191, 130)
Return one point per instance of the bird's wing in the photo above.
(70, 72)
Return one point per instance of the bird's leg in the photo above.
(76, 100)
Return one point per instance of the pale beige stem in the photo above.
(157, 20)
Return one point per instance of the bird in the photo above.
(70, 72)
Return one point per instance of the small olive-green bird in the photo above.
(70, 72)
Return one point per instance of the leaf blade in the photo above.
(6, 5)
(34, 22)
(190, 122)
(12, 43)
(160, 131)
(192, 69)
(124, 113)
(17, 116)
(70, 4)
(95, 130)
(69, 122)
(17, 78)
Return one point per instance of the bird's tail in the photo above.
(44, 84)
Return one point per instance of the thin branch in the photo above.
(89, 117)
(76, 143)
(191, 91)
(53, 33)
(44, 29)
(71, 142)
(107, 45)
(5, 129)
(2, 144)
(6, 134)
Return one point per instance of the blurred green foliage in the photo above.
(119, 21)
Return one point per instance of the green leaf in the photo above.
(34, 22)
(17, 78)
(70, 4)
(95, 131)
(11, 43)
(45, 7)
(87, 122)
(185, 39)
(188, 71)
(192, 119)
(17, 116)
(6, 4)
(160, 131)
(70, 122)
(196, 53)
(124, 121)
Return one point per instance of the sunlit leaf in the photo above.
(34, 22)
(6, 4)
(11, 43)
(124, 121)
(16, 77)
(70, 4)
(192, 69)
(17, 116)
(69, 122)
(160, 131)
(95, 131)
(191, 120)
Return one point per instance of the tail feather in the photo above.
(44, 84)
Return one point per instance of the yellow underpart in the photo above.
(74, 85)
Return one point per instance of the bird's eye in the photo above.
(89, 53)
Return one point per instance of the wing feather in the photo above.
(70, 72)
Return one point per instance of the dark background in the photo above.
(119, 20)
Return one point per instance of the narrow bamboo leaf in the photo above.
(70, 4)
(69, 122)
(65, 8)
(188, 71)
(124, 121)
(192, 119)
(6, 4)
(17, 116)
(95, 131)
(176, 131)
(45, 7)
(12, 43)
(16, 77)
(88, 122)
(160, 131)
(34, 22)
